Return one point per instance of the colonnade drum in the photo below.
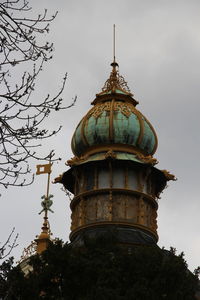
(119, 194)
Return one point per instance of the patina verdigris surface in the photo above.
(114, 122)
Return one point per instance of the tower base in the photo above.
(123, 234)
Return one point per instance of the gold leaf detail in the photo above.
(58, 179)
(99, 109)
(147, 159)
(123, 107)
(76, 160)
(110, 154)
(115, 81)
(168, 175)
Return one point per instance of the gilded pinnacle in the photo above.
(116, 81)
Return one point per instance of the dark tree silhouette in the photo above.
(22, 57)
(102, 271)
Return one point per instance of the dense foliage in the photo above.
(101, 271)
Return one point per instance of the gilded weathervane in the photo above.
(41, 241)
(47, 202)
(44, 237)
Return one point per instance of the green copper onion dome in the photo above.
(114, 123)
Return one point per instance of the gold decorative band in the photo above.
(112, 148)
(79, 197)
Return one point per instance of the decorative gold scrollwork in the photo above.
(76, 160)
(29, 251)
(58, 179)
(116, 81)
(99, 109)
(125, 108)
(110, 154)
(168, 175)
(147, 159)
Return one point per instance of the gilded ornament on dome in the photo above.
(147, 159)
(99, 109)
(168, 175)
(110, 154)
(58, 179)
(76, 160)
(125, 108)
(116, 81)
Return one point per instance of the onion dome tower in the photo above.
(112, 173)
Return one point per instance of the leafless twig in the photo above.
(22, 57)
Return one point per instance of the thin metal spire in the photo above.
(115, 81)
(114, 43)
(114, 64)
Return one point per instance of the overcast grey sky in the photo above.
(158, 51)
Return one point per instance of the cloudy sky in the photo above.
(158, 51)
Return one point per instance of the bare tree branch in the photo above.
(22, 51)
(9, 244)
